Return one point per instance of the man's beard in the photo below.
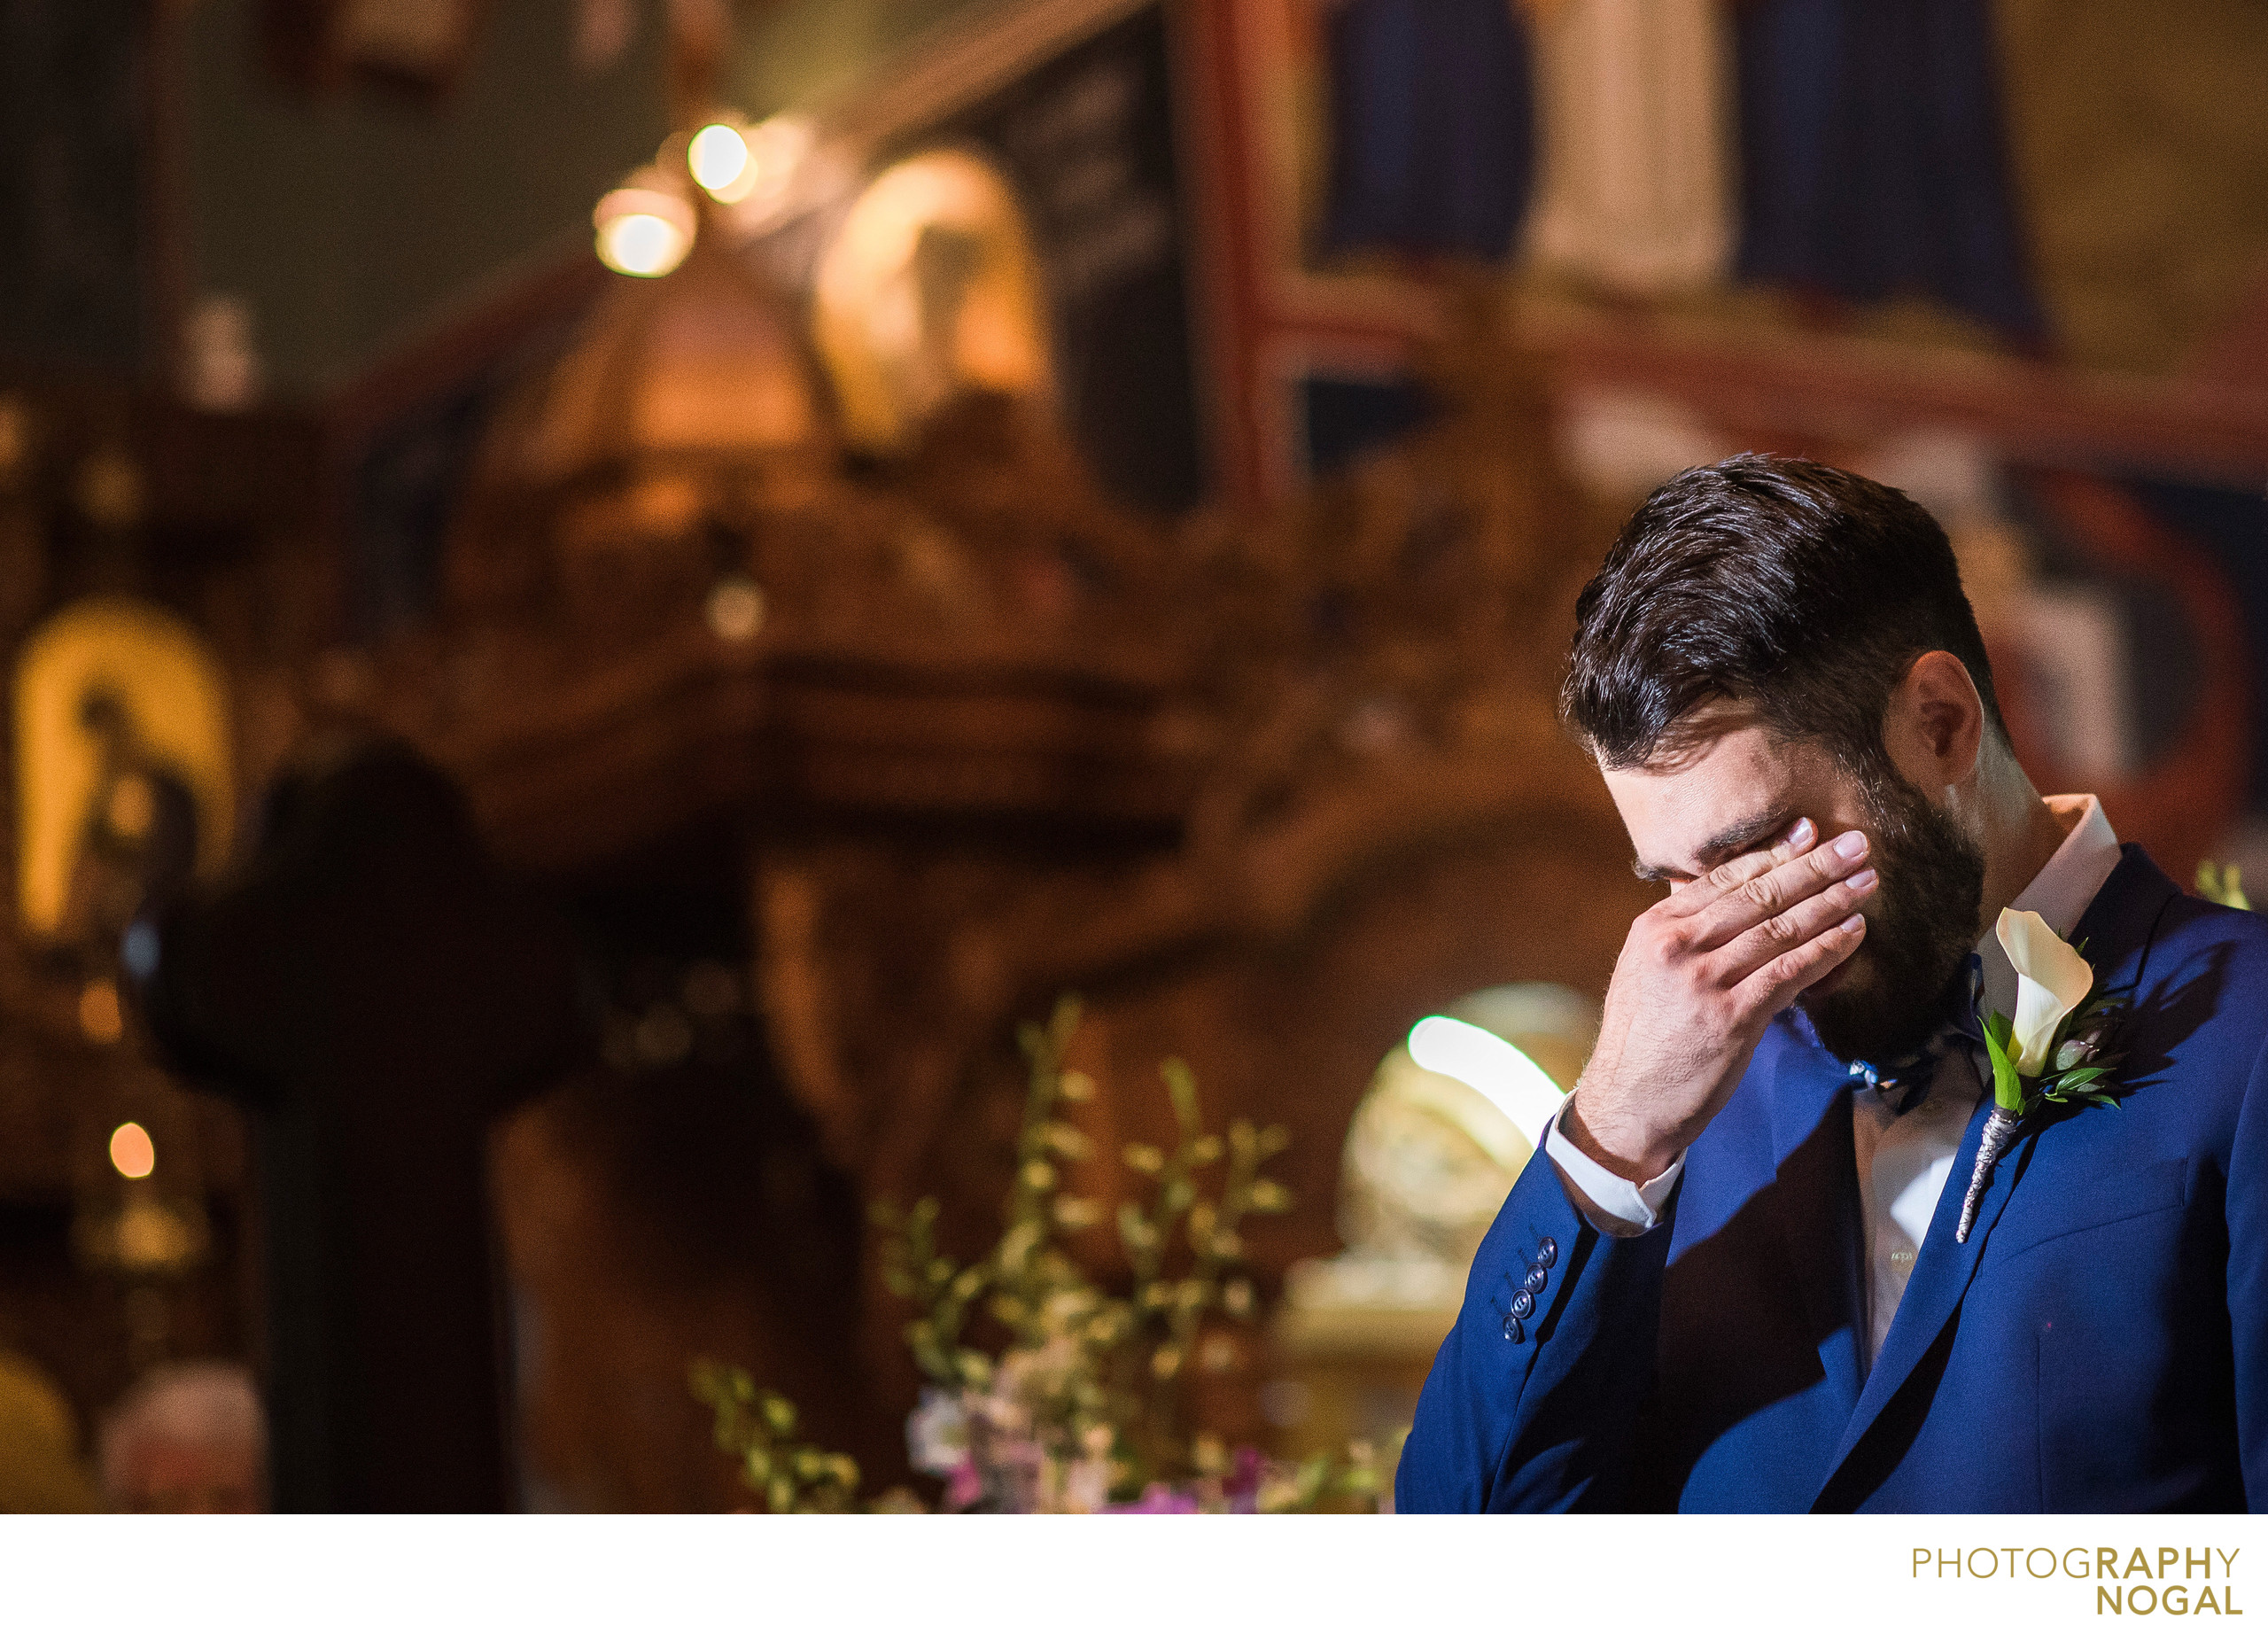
(1920, 926)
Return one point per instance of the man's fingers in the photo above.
(1783, 931)
(1776, 891)
(1714, 885)
(1774, 985)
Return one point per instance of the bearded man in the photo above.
(1732, 1279)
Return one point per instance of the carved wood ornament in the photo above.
(1264, 789)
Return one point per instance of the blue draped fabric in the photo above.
(1433, 126)
(1873, 158)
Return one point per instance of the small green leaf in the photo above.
(1268, 1197)
(1134, 1230)
(2007, 1088)
(1067, 1141)
(1203, 1219)
(2225, 885)
(1016, 1247)
(1181, 1087)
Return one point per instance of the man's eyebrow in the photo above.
(1736, 839)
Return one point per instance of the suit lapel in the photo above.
(2116, 928)
(1816, 1192)
(1941, 1276)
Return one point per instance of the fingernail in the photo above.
(1851, 924)
(1802, 834)
(1850, 845)
(1863, 881)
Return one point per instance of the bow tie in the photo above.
(1902, 1082)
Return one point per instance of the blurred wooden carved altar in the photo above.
(962, 733)
(731, 701)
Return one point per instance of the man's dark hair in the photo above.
(1798, 589)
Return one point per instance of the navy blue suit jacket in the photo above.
(2099, 1343)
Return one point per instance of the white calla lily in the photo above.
(2052, 980)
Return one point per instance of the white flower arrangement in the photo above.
(2052, 1053)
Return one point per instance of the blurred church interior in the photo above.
(602, 597)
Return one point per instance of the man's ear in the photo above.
(1934, 729)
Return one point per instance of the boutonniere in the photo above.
(2052, 1053)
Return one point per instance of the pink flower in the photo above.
(963, 1486)
(1243, 1481)
(1157, 1499)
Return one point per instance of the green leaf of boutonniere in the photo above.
(2008, 1087)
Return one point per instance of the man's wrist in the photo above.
(1619, 1147)
(1614, 1206)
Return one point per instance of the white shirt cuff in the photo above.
(1612, 1204)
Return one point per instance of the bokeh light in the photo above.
(736, 610)
(718, 158)
(131, 1152)
(1487, 1064)
(644, 232)
(100, 1017)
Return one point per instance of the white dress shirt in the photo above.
(1903, 1160)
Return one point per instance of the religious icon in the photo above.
(1636, 179)
(1451, 1118)
(123, 782)
(930, 288)
(1445, 1129)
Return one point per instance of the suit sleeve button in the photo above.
(1523, 1304)
(1546, 1253)
(1534, 1280)
(1513, 1332)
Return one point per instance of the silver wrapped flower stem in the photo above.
(2000, 1128)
